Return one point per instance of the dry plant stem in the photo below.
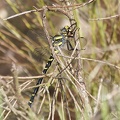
(49, 104)
(16, 112)
(52, 8)
(62, 86)
(19, 14)
(45, 28)
(20, 99)
(73, 97)
(42, 102)
(94, 60)
(67, 3)
(73, 71)
(75, 101)
(105, 18)
(63, 69)
(7, 102)
(98, 97)
(82, 5)
(26, 78)
(81, 87)
(83, 93)
(62, 99)
(82, 90)
(53, 101)
(68, 74)
(46, 89)
(69, 62)
(62, 106)
(9, 109)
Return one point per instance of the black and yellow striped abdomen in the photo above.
(40, 80)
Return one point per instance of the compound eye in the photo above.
(66, 27)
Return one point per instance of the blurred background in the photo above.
(20, 36)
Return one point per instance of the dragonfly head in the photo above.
(65, 30)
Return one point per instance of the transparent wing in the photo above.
(41, 48)
(37, 36)
(83, 42)
(71, 43)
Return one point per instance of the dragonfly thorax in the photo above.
(58, 40)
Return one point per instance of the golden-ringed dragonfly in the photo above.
(57, 40)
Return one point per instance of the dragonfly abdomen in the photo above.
(40, 80)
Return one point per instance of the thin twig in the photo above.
(26, 78)
(66, 100)
(55, 94)
(82, 5)
(90, 59)
(51, 8)
(19, 14)
(105, 18)
(98, 97)
(8, 102)
(20, 99)
(75, 101)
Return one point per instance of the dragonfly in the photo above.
(57, 41)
